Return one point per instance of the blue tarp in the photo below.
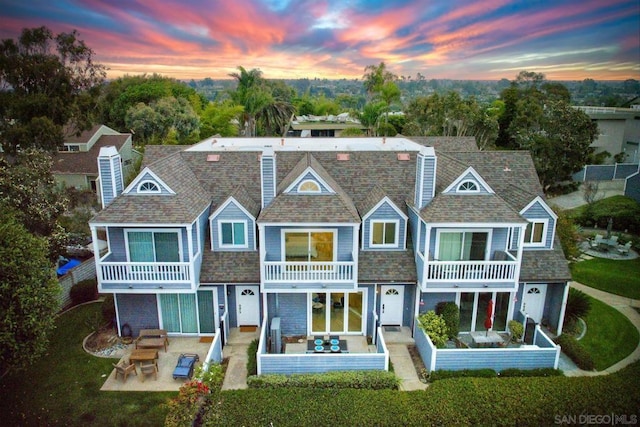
(64, 269)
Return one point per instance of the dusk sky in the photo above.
(470, 40)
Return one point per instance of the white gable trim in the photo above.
(227, 202)
(463, 177)
(309, 169)
(380, 203)
(544, 205)
(141, 177)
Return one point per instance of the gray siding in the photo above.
(428, 301)
(268, 173)
(553, 304)
(138, 311)
(537, 211)
(632, 187)
(388, 213)
(368, 309)
(232, 212)
(426, 167)
(107, 190)
(273, 242)
(309, 176)
(498, 240)
(316, 363)
(409, 305)
(292, 310)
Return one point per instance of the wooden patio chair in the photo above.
(149, 368)
(123, 369)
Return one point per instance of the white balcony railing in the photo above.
(471, 271)
(144, 272)
(282, 271)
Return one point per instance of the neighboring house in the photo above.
(330, 236)
(619, 131)
(75, 163)
(322, 126)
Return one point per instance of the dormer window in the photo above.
(308, 186)
(384, 234)
(148, 187)
(536, 232)
(468, 187)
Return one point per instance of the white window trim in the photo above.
(148, 181)
(233, 246)
(298, 189)
(395, 237)
(545, 230)
(487, 251)
(283, 235)
(459, 188)
(154, 230)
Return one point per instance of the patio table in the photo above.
(143, 355)
(486, 338)
(327, 347)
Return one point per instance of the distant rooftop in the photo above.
(309, 144)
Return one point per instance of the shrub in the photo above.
(538, 372)
(442, 374)
(84, 291)
(252, 358)
(184, 408)
(578, 305)
(624, 210)
(568, 234)
(572, 348)
(212, 377)
(451, 315)
(370, 380)
(435, 327)
(517, 330)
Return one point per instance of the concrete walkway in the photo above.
(575, 199)
(403, 367)
(625, 306)
(236, 350)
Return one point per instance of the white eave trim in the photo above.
(296, 182)
(380, 203)
(544, 205)
(227, 202)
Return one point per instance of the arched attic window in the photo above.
(308, 186)
(468, 186)
(148, 187)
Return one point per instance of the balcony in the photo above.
(472, 271)
(297, 272)
(144, 273)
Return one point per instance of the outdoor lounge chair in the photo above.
(595, 243)
(123, 369)
(149, 368)
(184, 368)
(624, 249)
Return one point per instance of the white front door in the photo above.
(391, 304)
(248, 305)
(533, 300)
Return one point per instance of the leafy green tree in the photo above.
(217, 119)
(389, 94)
(153, 122)
(48, 85)
(255, 95)
(28, 188)
(28, 295)
(375, 76)
(370, 115)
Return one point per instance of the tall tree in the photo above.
(28, 188)
(48, 84)
(375, 76)
(389, 94)
(28, 295)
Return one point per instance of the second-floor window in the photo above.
(310, 246)
(462, 246)
(153, 246)
(233, 234)
(384, 234)
(535, 233)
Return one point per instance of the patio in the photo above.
(166, 364)
(610, 253)
(355, 344)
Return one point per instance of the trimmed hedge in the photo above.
(84, 291)
(538, 372)
(442, 374)
(466, 401)
(252, 358)
(371, 380)
(572, 348)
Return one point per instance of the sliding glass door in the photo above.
(474, 310)
(462, 246)
(337, 312)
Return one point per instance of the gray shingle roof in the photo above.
(308, 209)
(242, 196)
(230, 267)
(387, 266)
(181, 208)
(471, 208)
(545, 265)
(447, 144)
(372, 198)
(86, 162)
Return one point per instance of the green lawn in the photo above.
(610, 335)
(617, 277)
(63, 388)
